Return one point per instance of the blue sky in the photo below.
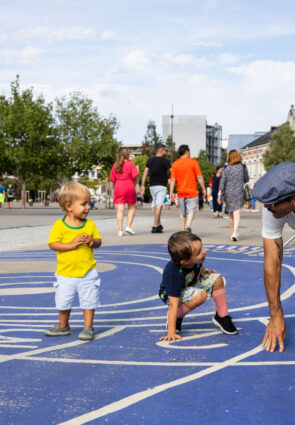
(230, 60)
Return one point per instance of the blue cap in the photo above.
(277, 184)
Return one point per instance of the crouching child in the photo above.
(186, 284)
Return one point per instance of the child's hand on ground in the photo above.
(171, 337)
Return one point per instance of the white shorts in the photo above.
(87, 288)
(158, 194)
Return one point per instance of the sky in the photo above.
(230, 60)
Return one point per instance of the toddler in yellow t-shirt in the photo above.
(73, 238)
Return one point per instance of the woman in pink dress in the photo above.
(123, 174)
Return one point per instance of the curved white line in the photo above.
(175, 344)
(137, 397)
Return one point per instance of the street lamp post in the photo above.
(172, 116)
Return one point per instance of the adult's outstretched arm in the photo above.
(276, 329)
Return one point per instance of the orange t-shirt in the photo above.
(185, 172)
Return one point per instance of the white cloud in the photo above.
(267, 75)
(183, 59)
(59, 34)
(109, 35)
(135, 60)
(228, 58)
(114, 36)
(27, 55)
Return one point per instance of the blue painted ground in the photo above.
(126, 375)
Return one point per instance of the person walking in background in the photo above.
(9, 195)
(2, 195)
(123, 175)
(185, 172)
(217, 208)
(157, 168)
(231, 186)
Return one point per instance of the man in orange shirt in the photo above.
(185, 172)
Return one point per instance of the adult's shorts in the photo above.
(158, 194)
(187, 205)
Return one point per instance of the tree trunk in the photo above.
(24, 195)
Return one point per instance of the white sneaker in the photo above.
(120, 233)
(234, 238)
(129, 230)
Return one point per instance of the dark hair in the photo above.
(216, 171)
(182, 149)
(180, 246)
(160, 147)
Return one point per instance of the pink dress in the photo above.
(124, 192)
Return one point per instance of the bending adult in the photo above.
(276, 190)
(123, 175)
(217, 208)
(231, 186)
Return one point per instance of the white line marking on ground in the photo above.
(137, 397)
(107, 333)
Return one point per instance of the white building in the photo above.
(194, 131)
(252, 153)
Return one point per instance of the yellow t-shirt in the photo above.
(77, 262)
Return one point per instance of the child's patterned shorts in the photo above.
(204, 283)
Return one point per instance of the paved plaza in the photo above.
(127, 376)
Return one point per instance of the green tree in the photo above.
(223, 158)
(86, 138)
(151, 140)
(140, 161)
(281, 147)
(206, 166)
(171, 156)
(29, 135)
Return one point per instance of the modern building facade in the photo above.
(194, 131)
(238, 141)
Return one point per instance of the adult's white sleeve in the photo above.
(272, 228)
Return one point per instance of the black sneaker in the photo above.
(156, 230)
(225, 324)
(178, 324)
(188, 229)
(160, 227)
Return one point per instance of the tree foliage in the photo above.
(171, 156)
(207, 167)
(28, 134)
(281, 147)
(43, 143)
(86, 138)
(151, 140)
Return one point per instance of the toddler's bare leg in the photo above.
(64, 316)
(88, 318)
(198, 300)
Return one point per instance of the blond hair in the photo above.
(234, 157)
(69, 192)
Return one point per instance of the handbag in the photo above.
(247, 193)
